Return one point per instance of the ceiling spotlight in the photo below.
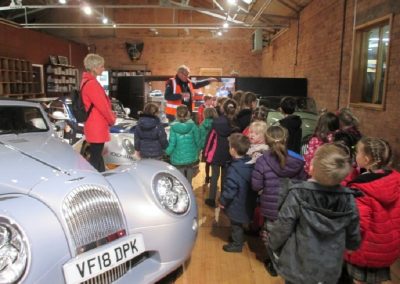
(225, 25)
(62, 1)
(114, 25)
(104, 20)
(219, 33)
(87, 10)
(232, 2)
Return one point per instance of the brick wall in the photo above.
(319, 53)
(162, 55)
(36, 46)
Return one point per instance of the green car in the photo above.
(306, 109)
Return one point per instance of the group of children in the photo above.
(312, 223)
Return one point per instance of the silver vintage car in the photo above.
(118, 151)
(63, 222)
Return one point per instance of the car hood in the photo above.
(123, 126)
(34, 163)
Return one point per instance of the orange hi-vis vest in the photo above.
(170, 106)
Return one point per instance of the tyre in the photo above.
(85, 150)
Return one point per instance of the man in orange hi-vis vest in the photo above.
(180, 90)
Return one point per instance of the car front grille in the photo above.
(92, 214)
(118, 271)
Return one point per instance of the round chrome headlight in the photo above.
(171, 193)
(13, 252)
(128, 146)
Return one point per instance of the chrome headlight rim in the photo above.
(163, 202)
(20, 243)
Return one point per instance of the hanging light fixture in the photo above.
(87, 9)
(104, 19)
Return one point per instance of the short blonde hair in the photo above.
(259, 127)
(331, 164)
(92, 61)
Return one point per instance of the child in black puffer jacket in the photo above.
(150, 136)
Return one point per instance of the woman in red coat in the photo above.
(101, 116)
(379, 213)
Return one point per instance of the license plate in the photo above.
(79, 135)
(100, 260)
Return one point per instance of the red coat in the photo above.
(379, 220)
(200, 115)
(101, 117)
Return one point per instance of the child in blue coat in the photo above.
(235, 196)
(150, 136)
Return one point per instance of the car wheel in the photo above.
(304, 144)
(85, 150)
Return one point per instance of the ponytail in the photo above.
(276, 140)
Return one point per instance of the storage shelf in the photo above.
(16, 78)
(61, 79)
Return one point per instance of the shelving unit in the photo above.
(16, 79)
(60, 79)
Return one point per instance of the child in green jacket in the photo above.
(184, 143)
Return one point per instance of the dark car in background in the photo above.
(306, 108)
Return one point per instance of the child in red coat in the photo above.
(379, 213)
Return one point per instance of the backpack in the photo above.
(78, 108)
(211, 146)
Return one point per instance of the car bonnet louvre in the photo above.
(92, 213)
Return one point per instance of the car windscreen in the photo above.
(21, 119)
(118, 109)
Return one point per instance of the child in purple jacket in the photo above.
(270, 168)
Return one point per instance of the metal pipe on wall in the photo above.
(341, 53)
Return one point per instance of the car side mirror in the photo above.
(59, 115)
(127, 110)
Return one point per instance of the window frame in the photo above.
(355, 73)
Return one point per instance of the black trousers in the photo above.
(237, 233)
(215, 171)
(96, 156)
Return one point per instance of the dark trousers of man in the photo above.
(215, 170)
(237, 234)
(96, 156)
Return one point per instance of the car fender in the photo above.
(44, 234)
(145, 215)
(134, 182)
